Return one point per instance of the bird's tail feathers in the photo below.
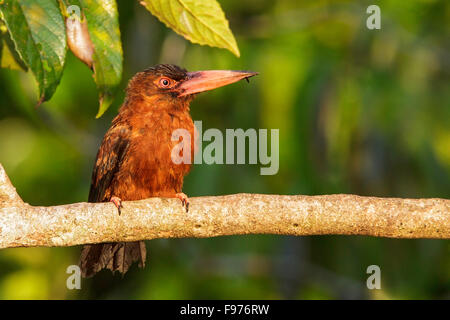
(113, 256)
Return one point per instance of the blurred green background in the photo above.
(359, 111)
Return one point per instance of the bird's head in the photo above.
(169, 84)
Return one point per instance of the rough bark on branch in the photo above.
(23, 225)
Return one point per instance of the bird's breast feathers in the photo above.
(148, 167)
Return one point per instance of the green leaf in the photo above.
(9, 58)
(103, 27)
(199, 21)
(37, 29)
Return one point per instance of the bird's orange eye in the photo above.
(165, 82)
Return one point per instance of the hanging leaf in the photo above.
(9, 58)
(199, 21)
(94, 37)
(37, 29)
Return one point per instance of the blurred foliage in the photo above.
(359, 111)
(41, 31)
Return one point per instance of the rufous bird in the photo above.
(134, 160)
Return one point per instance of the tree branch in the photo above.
(22, 225)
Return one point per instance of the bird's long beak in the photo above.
(200, 81)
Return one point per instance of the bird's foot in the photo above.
(117, 202)
(184, 200)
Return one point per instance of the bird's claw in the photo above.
(117, 202)
(184, 200)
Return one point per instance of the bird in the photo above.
(134, 159)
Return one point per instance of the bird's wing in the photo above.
(109, 158)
